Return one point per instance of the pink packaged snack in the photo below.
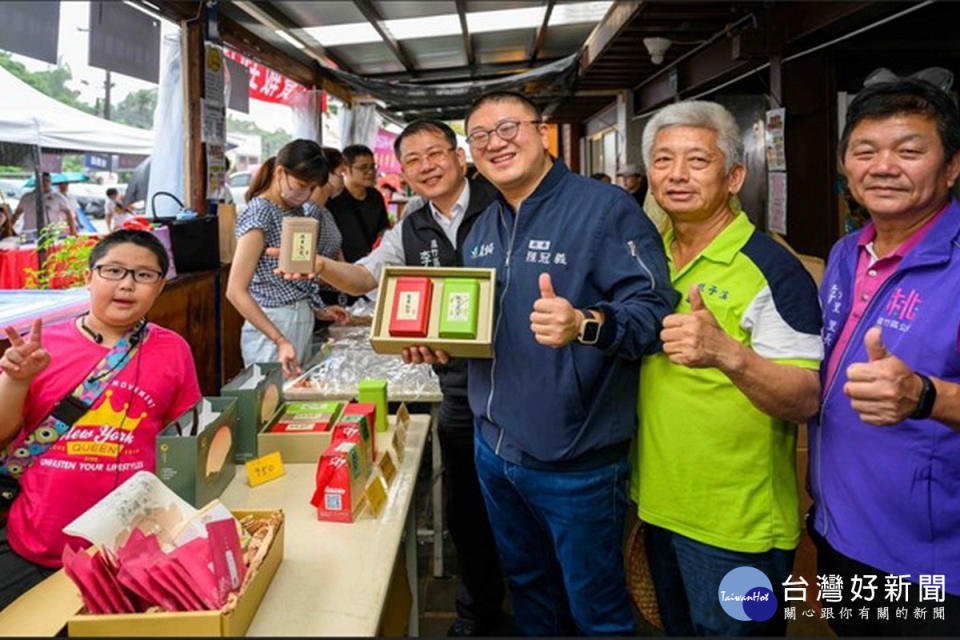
(228, 566)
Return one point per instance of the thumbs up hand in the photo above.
(695, 339)
(554, 321)
(883, 390)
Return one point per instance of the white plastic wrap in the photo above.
(348, 358)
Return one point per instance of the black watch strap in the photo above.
(928, 396)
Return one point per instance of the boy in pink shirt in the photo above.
(150, 379)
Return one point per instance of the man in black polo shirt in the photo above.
(359, 210)
(431, 236)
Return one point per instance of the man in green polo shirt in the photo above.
(715, 475)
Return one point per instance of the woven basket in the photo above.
(639, 581)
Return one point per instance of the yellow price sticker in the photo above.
(264, 469)
(387, 467)
(376, 495)
(398, 444)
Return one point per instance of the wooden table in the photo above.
(334, 577)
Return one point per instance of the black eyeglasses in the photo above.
(506, 131)
(115, 272)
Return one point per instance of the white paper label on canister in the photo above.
(458, 307)
(301, 246)
(408, 305)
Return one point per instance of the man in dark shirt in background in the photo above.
(359, 211)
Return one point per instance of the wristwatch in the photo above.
(928, 396)
(589, 328)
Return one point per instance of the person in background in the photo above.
(279, 313)
(114, 211)
(149, 379)
(332, 240)
(56, 208)
(64, 189)
(602, 177)
(634, 182)
(885, 448)
(714, 474)
(6, 221)
(359, 210)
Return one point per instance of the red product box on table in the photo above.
(340, 479)
(367, 410)
(411, 307)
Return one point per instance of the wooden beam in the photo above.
(619, 16)
(461, 72)
(465, 30)
(195, 159)
(372, 15)
(541, 36)
(252, 46)
(273, 17)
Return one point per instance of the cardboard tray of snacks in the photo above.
(191, 623)
(480, 346)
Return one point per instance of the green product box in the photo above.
(332, 408)
(259, 393)
(195, 452)
(374, 391)
(458, 310)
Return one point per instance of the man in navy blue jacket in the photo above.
(582, 288)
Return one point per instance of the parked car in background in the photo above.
(10, 189)
(92, 197)
(238, 183)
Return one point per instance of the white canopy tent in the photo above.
(31, 118)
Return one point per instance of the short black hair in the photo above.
(906, 96)
(140, 238)
(599, 176)
(425, 124)
(502, 96)
(112, 192)
(354, 151)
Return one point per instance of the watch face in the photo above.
(591, 330)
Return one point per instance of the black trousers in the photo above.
(17, 574)
(831, 561)
(481, 589)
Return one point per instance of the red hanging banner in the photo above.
(265, 83)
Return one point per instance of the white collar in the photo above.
(459, 207)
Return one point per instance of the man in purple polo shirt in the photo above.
(885, 449)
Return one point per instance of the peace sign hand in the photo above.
(24, 359)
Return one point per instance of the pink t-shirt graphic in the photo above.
(115, 439)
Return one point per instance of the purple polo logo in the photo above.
(746, 594)
(903, 306)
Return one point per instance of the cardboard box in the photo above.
(199, 467)
(480, 346)
(374, 391)
(189, 623)
(342, 494)
(256, 405)
(458, 312)
(357, 433)
(293, 445)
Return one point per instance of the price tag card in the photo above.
(403, 416)
(264, 469)
(376, 495)
(399, 442)
(388, 468)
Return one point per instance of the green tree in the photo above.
(270, 141)
(52, 83)
(136, 109)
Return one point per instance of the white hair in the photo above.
(697, 113)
